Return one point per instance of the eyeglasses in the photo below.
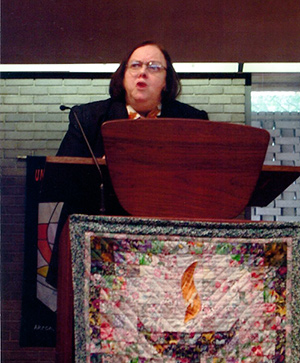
(152, 66)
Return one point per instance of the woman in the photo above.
(144, 85)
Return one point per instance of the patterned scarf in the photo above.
(133, 115)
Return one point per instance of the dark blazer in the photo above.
(93, 114)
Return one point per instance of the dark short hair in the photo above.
(173, 86)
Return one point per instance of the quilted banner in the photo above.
(38, 323)
(174, 291)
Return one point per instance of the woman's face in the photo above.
(143, 88)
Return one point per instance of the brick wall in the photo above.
(32, 124)
(284, 149)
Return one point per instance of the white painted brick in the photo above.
(19, 82)
(6, 163)
(90, 90)
(188, 82)
(75, 100)
(31, 108)
(53, 108)
(7, 126)
(16, 100)
(11, 154)
(188, 90)
(234, 90)
(78, 82)
(9, 90)
(220, 117)
(238, 99)
(53, 144)
(194, 99)
(238, 81)
(16, 117)
(58, 127)
(19, 135)
(234, 108)
(8, 108)
(24, 126)
(9, 144)
(101, 83)
(238, 118)
(49, 82)
(45, 135)
(62, 90)
(220, 81)
(211, 109)
(50, 117)
(31, 145)
(47, 99)
(16, 172)
(220, 99)
(47, 152)
(212, 90)
(34, 90)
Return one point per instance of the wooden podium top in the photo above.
(272, 181)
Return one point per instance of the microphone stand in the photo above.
(102, 201)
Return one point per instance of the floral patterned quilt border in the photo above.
(151, 290)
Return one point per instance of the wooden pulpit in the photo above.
(170, 169)
(180, 168)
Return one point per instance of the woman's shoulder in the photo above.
(182, 110)
(95, 106)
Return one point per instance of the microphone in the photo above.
(102, 204)
(63, 108)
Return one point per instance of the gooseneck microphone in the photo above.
(102, 201)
